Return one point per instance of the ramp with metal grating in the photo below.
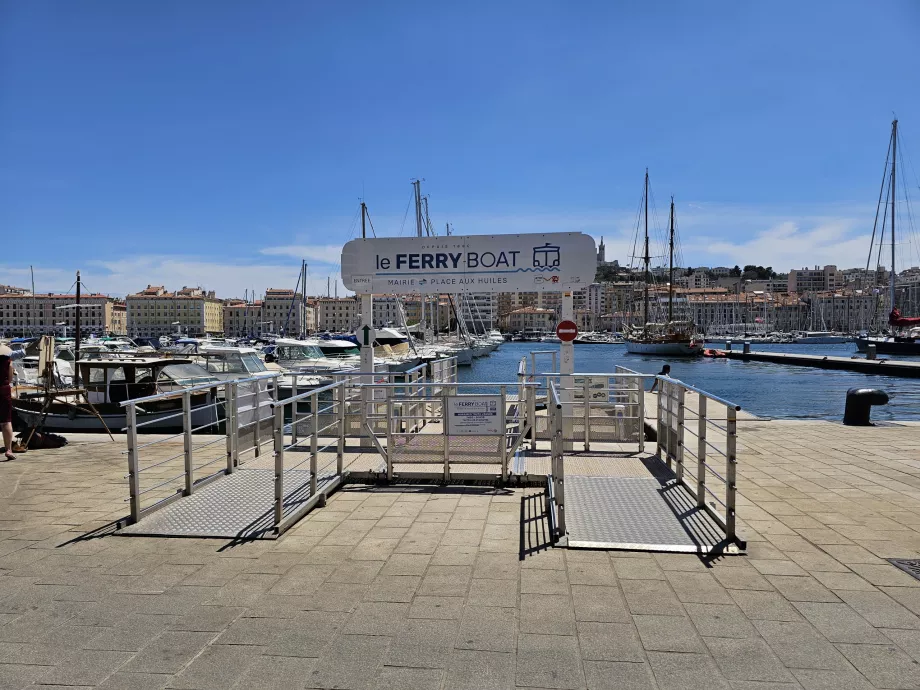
(237, 506)
(648, 511)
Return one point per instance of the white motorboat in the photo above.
(107, 383)
(821, 338)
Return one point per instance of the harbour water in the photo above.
(766, 390)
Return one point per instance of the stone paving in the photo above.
(424, 587)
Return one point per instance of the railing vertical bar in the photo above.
(503, 446)
(681, 399)
(314, 441)
(187, 442)
(340, 446)
(701, 453)
(228, 425)
(659, 399)
(133, 464)
(390, 421)
(235, 406)
(278, 436)
(640, 393)
(257, 411)
(294, 407)
(587, 413)
(445, 430)
(731, 429)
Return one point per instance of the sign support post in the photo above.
(366, 338)
(567, 368)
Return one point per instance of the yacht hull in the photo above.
(909, 347)
(675, 349)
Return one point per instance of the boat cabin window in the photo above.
(253, 363)
(234, 363)
(225, 363)
(298, 352)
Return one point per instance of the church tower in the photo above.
(601, 259)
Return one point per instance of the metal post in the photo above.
(681, 393)
(587, 414)
(504, 437)
(340, 446)
(532, 414)
(390, 448)
(257, 415)
(278, 436)
(640, 391)
(559, 473)
(134, 479)
(294, 406)
(731, 437)
(660, 421)
(235, 436)
(314, 442)
(228, 424)
(446, 431)
(187, 441)
(701, 454)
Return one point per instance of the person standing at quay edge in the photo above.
(6, 402)
(665, 371)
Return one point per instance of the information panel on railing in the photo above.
(534, 262)
(474, 415)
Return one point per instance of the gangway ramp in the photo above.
(634, 504)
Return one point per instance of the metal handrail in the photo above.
(307, 394)
(194, 389)
(710, 396)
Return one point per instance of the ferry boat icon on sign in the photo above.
(546, 256)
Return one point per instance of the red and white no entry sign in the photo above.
(567, 331)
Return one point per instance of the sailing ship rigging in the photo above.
(903, 332)
(672, 338)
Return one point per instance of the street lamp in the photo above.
(63, 324)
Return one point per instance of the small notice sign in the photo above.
(474, 415)
(597, 388)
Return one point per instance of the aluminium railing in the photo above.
(314, 433)
(714, 426)
(215, 416)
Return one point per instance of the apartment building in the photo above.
(155, 311)
(243, 319)
(285, 313)
(529, 319)
(24, 314)
(337, 314)
(119, 324)
(815, 279)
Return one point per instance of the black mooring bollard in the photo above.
(859, 405)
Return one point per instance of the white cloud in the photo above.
(793, 241)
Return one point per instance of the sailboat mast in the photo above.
(418, 206)
(894, 165)
(647, 278)
(671, 266)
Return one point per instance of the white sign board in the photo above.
(474, 415)
(472, 263)
(597, 388)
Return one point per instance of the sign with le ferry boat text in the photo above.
(534, 262)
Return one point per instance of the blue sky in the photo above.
(219, 142)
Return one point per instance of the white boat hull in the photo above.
(678, 349)
(823, 340)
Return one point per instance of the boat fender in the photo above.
(71, 413)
